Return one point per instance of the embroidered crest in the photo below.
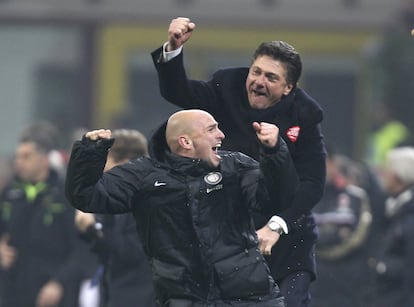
(213, 178)
(293, 133)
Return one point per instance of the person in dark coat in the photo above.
(192, 203)
(267, 91)
(39, 248)
(344, 219)
(126, 277)
(393, 263)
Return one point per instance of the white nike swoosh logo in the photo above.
(158, 184)
(215, 188)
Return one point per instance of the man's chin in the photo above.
(214, 163)
(259, 102)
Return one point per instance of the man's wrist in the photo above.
(275, 227)
(169, 55)
(277, 224)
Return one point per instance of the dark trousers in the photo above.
(295, 288)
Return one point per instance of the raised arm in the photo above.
(86, 187)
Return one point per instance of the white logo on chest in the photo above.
(213, 178)
(217, 187)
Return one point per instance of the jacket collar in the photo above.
(190, 166)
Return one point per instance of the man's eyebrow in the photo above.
(267, 73)
(212, 125)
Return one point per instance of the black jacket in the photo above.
(194, 222)
(41, 228)
(225, 97)
(126, 276)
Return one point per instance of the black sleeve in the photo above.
(280, 177)
(178, 89)
(88, 189)
(270, 187)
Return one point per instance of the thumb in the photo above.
(257, 127)
(191, 26)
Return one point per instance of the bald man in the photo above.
(192, 205)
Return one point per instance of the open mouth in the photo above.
(258, 93)
(216, 148)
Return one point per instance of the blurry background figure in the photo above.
(126, 277)
(393, 265)
(389, 85)
(387, 133)
(344, 219)
(39, 247)
(57, 156)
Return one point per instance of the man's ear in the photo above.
(185, 142)
(288, 89)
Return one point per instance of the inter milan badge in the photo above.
(213, 178)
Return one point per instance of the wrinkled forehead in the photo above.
(269, 65)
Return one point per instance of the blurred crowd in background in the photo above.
(60, 78)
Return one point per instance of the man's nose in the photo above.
(221, 134)
(261, 79)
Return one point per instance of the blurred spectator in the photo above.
(344, 219)
(364, 176)
(127, 275)
(390, 81)
(393, 265)
(39, 245)
(387, 133)
(58, 157)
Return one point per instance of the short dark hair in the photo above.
(43, 134)
(285, 53)
(129, 144)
